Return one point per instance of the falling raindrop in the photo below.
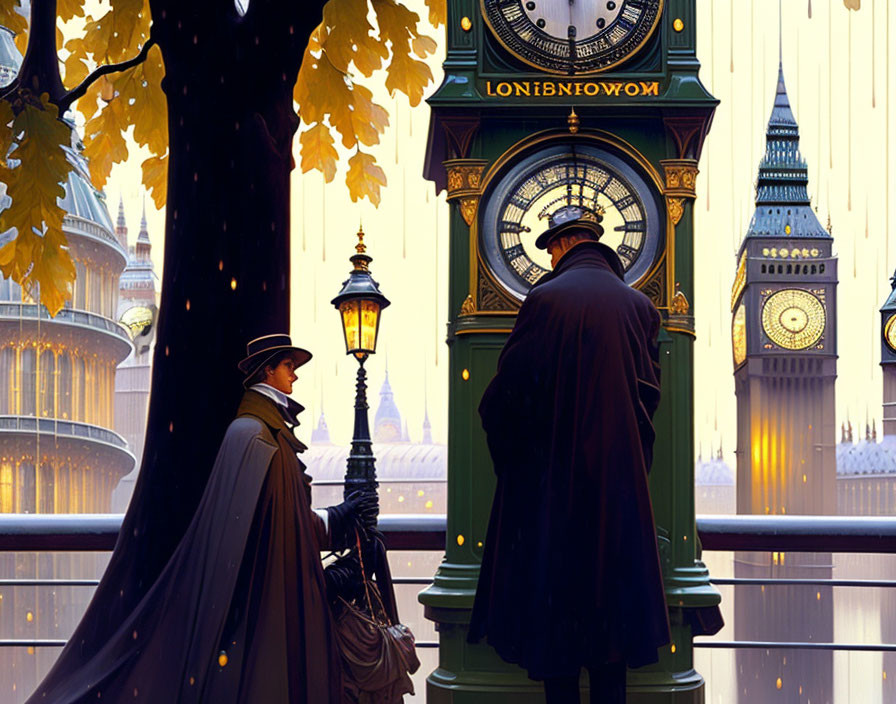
(866, 217)
(810, 9)
(404, 214)
(323, 226)
(849, 117)
(873, 51)
(830, 54)
(731, 37)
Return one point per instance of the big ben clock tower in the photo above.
(784, 335)
(544, 104)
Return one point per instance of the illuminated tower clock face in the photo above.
(572, 36)
(890, 332)
(793, 319)
(739, 335)
(519, 207)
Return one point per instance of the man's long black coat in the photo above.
(571, 575)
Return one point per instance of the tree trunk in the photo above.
(226, 276)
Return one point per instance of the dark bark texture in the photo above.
(229, 82)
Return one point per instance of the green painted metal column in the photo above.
(473, 135)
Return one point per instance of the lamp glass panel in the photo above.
(351, 325)
(370, 313)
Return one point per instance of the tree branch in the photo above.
(66, 102)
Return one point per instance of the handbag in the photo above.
(378, 652)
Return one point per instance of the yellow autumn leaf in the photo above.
(438, 12)
(318, 151)
(368, 119)
(67, 9)
(424, 46)
(321, 89)
(853, 4)
(104, 143)
(119, 33)
(14, 22)
(364, 178)
(408, 75)
(37, 258)
(6, 121)
(142, 101)
(398, 26)
(347, 37)
(75, 64)
(155, 178)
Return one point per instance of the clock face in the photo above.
(793, 319)
(739, 335)
(518, 208)
(572, 36)
(890, 332)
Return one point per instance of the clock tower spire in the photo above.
(785, 365)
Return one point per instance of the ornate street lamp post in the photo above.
(359, 304)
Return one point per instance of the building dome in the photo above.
(866, 457)
(10, 58)
(713, 472)
(387, 425)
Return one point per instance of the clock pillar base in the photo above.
(472, 673)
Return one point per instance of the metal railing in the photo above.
(426, 532)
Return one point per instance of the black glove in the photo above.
(359, 511)
(343, 578)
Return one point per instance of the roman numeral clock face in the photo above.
(519, 207)
(572, 36)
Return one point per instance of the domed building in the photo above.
(411, 475)
(58, 452)
(714, 485)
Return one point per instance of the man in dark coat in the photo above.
(571, 575)
(240, 613)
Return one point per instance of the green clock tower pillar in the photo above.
(545, 104)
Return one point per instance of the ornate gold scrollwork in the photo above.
(468, 307)
(681, 177)
(491, 299)
(468, 209)
(655, 288)
(679, 305)
(676, 208)
(464, 182)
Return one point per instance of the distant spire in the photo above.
(427, 427)
(842, 432)
(783, 179)
(387, 425)
(144, 246)
(849, 430)
(121, 226)
(700, 452)
(874, 430)
(867, 432)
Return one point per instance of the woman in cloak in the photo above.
(240, 613)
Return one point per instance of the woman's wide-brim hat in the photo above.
(567, 218)
(262, 350)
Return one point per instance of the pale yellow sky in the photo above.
(846, 148)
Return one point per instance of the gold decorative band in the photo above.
(464, 177)
(681, 177)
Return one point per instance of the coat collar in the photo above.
(588, 254)
(263, 408)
